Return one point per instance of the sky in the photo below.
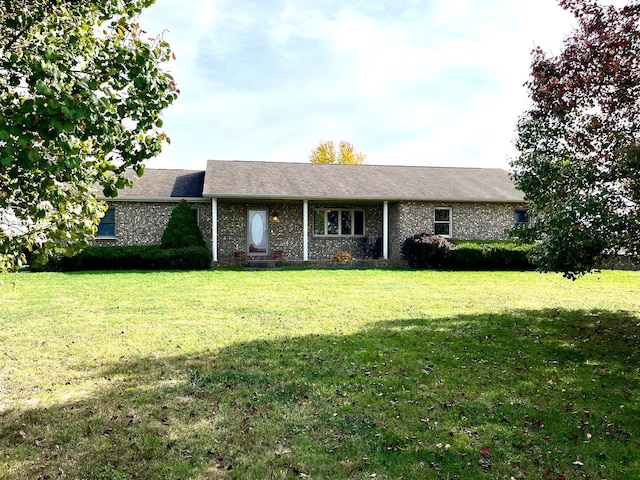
(407, 82)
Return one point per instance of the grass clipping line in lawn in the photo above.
(319, 374)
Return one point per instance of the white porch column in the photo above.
(385, 230)
(214, 229)
(305, 230)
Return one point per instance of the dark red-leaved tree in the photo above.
(579, 143)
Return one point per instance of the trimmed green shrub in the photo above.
(490, 255)
(147, 257)
(432, 251)
(467, 256)
(182, 229)
(426, 251)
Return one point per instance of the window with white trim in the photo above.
(338, 222)
(442, 222)
(107, 226)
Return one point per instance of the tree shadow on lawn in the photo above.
(526, 394)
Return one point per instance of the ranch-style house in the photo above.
(308, 212)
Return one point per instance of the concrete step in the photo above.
(260, 264)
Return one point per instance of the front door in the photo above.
(257, 233)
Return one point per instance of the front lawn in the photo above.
(319, 374)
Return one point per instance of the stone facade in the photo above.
(142, 223)
(287, 233)
(324, 247)
(469, 221)
(396, 231)
(284, 235)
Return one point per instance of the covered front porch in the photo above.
(301, 229)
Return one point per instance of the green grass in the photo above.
(319, 374)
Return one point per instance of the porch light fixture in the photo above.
(275, 217)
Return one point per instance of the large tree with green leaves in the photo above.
(81, 91)
(326, 152)
(579, 143)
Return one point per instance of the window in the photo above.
(107, 226)
(521, 216)
(338, 222)
(442, 222)
(194, 210)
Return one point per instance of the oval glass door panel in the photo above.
(257, 232)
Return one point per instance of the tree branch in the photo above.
(20, 33)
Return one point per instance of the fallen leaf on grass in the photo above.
(485, 464)
(281, 450)
(296, 471)
(220, 465)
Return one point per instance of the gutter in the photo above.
(154, 199)
(363, 199)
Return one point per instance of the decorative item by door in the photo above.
(257, 233)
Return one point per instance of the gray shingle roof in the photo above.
(240, 179)
(164, 184)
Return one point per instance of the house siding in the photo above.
(470, 221)
(287, 234)
(395, 231)
(324, 247)
(143, 223)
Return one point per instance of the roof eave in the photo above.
(154, 199)
(360, 198)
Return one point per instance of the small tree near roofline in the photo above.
(326, 153)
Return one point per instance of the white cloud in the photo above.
(422, 82)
